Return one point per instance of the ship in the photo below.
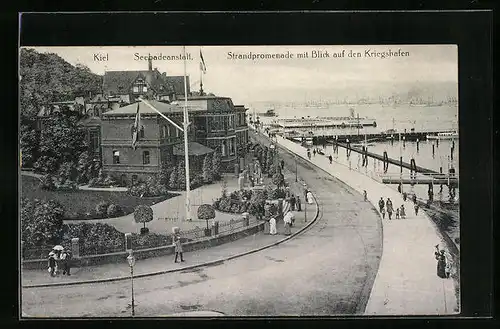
(444, 135)
(269, 113)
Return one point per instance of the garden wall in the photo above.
(119, 257)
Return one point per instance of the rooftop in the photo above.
(145, 109)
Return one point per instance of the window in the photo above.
(163, 131)
(136, 89)
(142, 132)
(223, 148)
(94, 141)
(145, 89)
(116, 157)
(177, 132)
(134, 179)
(145, 157)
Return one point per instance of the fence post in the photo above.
(22, 249)
(75, 248)
(128, 242)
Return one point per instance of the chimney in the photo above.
(150, 64)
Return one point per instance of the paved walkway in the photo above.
(406, 282)
(165, 263)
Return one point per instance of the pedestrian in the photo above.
(399, 187)
(389, 207)
(404, 196)
(309, 154)
(441, 262)
(64, 262)
(287, 219)
(397, 213)
(382, 211)
(381, 204)
(272, 226)
(309, 197)
(416, 208)
(402, 212)
(282, 164)
(52, 264)
(330, 158)
(178, 247)
(292, 202)
(414, 198)
(365, 197)
(297, 202)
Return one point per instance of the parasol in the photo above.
(58, 248)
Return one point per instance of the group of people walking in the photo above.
(59, 259)
(386, 206)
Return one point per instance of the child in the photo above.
(402, 213)
(397, 213)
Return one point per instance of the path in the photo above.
(406, 282)
(327, 270)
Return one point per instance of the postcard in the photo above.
(224, 181)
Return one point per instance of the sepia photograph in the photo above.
(239, 181)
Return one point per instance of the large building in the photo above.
(129, 85)
(217, 126)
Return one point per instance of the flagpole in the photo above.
(186, 154)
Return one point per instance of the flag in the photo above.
(136, 127)
(203, 67)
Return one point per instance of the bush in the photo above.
(102, 209)
(225, 204)
(277, 193)
(143, 214)
(207, 171)
(41, 222)
(235, 208)
(197, 181)
(47, 183)
(114, 210)
(234, 195)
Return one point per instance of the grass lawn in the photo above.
(81, 204)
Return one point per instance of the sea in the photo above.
(400, 117)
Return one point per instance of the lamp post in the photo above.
(131, 263)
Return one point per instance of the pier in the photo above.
(322, 137)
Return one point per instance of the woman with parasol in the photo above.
(441, 262)
(57, 256)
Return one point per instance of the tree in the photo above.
(207, 170)
(206, 212)
(173, 179)
(87, 168)
(61, 140)
(41, 222)
(29, 144)
(257, 202)
(217, 165)
(164, 176)
(278, 179)
(143, 214)
(67, 171)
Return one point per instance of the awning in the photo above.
(194, 148)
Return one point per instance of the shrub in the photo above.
(197, 181)
(47, 183)
(41, 222)
(225, 204)
(114, 210)
(234, 195)
(277, 193)
(217, 165)
(206, 212)
(143, 214)
(102, 208)
(207, 171)
(172, 183)
(235, 208)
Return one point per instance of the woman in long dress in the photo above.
(288, 222)
(441, 263)
(272, 226)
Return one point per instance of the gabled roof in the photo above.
(177, 83)
(119, 82)
(144, 109)
(194, 148)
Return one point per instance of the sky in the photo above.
(294, 79)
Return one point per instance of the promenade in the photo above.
(406, 282)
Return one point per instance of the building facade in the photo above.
(217, 126)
